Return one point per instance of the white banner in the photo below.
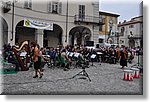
(37, 24)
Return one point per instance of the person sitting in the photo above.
(65, 60)
(12, 59)
(52, 54)
(44, 58)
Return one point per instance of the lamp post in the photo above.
(12, 20)
(66, 21)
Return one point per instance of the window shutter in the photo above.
(60, 7)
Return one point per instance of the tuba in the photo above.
(17, 51)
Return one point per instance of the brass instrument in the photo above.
(23, 62)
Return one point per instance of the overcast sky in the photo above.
(127, 9)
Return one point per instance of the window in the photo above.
(28, 4)
(81, 12)
(100, 18)
(122, 31)
(54, 7)
(100, 28)
(121, 41)
(131, 26)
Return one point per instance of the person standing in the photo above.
(37, 61)
(123, 57)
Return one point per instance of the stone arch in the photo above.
(54, 37)
(4, 31)
(79, 35)
(24, 33)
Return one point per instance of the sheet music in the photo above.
(93, 56)
(76, 54)
(23, 54)
(99, 53)
(68, 53)
(71, 54)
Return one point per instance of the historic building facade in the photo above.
(109, 29)
(131, 32)
(50, 22)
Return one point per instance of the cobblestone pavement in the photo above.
(105, 79)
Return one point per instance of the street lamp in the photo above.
(12, 19)
(117, 35)
(66, 21)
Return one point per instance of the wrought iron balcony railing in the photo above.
(88, 19)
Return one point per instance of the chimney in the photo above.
(124, 21)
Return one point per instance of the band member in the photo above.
(66, 59)
(123, 57)
(37, 61)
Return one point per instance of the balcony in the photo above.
(6, 6)
(88, 20)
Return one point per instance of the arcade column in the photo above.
(39, 36)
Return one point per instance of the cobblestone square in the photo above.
(105, 79)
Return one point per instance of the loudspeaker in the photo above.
(97, 45)
(89, 43)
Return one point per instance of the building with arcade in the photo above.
(50, 22)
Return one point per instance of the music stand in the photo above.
(138, 65)
(76, 57)
(93, 56)
(23, 54)
(100, 56)
(82, 73)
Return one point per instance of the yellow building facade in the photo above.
(110, 24)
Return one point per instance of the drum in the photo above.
(136, 72)
(128, 75)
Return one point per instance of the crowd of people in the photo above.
(65, 56)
